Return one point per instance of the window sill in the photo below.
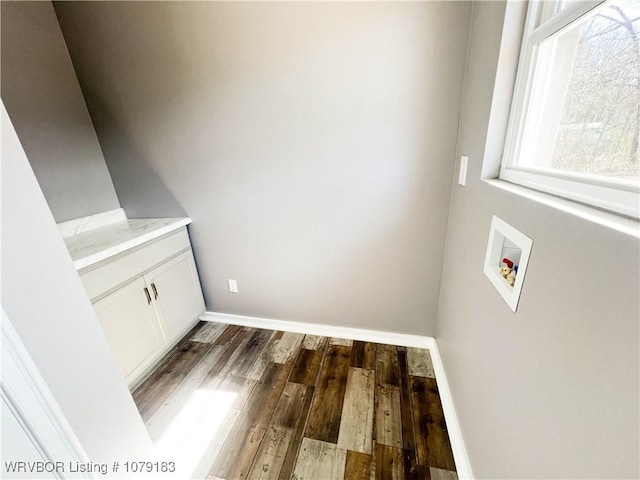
(607, 219)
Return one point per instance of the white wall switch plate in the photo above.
(233, 286)
(462, 175)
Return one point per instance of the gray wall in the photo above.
(311, 143)
(43, 297)
(43, 98)
(552, 390)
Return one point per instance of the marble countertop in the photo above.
(91, 246)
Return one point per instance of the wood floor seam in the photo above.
(236, 403)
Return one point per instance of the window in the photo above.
(575, 116)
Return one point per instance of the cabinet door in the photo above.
(177, 294)
(130, 324)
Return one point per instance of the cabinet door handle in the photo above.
(146, 291)
(155, 291)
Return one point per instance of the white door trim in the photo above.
(26, 394)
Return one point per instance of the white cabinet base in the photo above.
(144, 313)
(130, 324)
(176, 294)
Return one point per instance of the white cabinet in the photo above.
(129, 321)
(176, 294)
(146, 299)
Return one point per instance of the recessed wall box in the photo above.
(507, 242)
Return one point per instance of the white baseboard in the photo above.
(453, 426)
(391, 338)
(361, 334)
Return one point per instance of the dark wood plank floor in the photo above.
(243, 403)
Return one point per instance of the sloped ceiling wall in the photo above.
(312, 144)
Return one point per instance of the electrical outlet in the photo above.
(233, 286)
(462, 175)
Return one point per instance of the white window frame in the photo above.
(544, 19)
